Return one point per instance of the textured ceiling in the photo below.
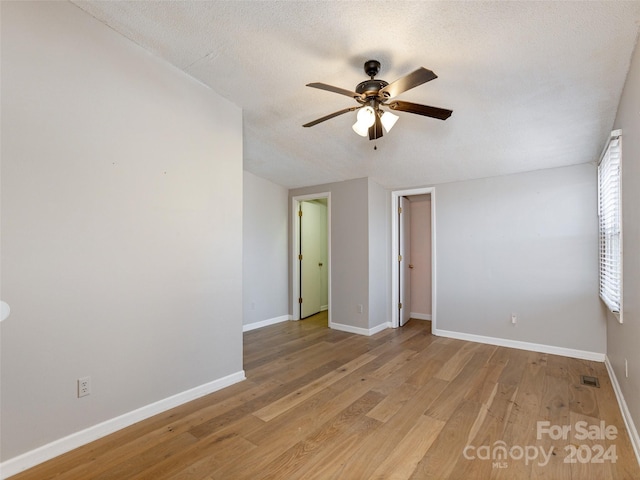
(532, 85)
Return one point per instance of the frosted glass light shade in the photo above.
(366, 118)
(388, 120)
(360, 129)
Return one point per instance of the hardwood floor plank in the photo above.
(457, 361)
(431, 361)
(554, 409)
(447, 450)
(217, 449)
(331, 459)
(140, 462)
(324, 404)
(487, 431)
(344, 431)
(444, 406)
(521, 427)
(294, 398)
(483, 384)
(404, 458)
(374, 448)
(393, 402)
(226, 452)
(285, 366)
(397, 362)
(583, 464)
(582, 398)
(272, 462)
(516, 361)
(305, 418)
(272, 395)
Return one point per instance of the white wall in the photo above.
(349, 250)
(524, 244)
(121, 227)
(623, 340)
(379, 255)
(265, 239)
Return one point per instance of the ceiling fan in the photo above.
(373, 94)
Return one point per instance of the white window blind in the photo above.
(610, 223)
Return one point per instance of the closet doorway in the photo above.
(413, 256)
(311, 260)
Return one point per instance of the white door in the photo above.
(404, 248)
(311, 257)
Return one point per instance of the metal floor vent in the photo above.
(590, 381)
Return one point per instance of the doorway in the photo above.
(405, 269)
(311, 262)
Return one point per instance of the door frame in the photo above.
(295, 242)
(395, 228)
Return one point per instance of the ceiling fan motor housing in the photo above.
(371, 67)
(370, 88)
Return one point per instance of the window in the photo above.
(610, 224)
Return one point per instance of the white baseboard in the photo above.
(41, 454)
(324, 307)
(624, 409)
(420, 316)
(359, 330)
(534, 347)
(264, 323)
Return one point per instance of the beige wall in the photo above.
(523, 244)
(359, 213)
(379, 255)
(623, 341)
(121, 228)
(264, 239)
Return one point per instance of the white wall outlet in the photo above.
(514, 319)
(84, 386)
(626, 368)
(359, 308)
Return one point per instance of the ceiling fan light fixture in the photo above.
(365, 119)
(366, 116)
(388, 120)
(360, 129)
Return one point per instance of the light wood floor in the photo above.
(323, 404)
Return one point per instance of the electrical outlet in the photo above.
(359, 308)
(84, 386)
(626, 368)
(514, 319)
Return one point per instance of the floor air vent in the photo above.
(590, 381)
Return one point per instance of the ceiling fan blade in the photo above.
(427, 111)
(418, 77)
(375, 130)
(331, 115)
(331, 88)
